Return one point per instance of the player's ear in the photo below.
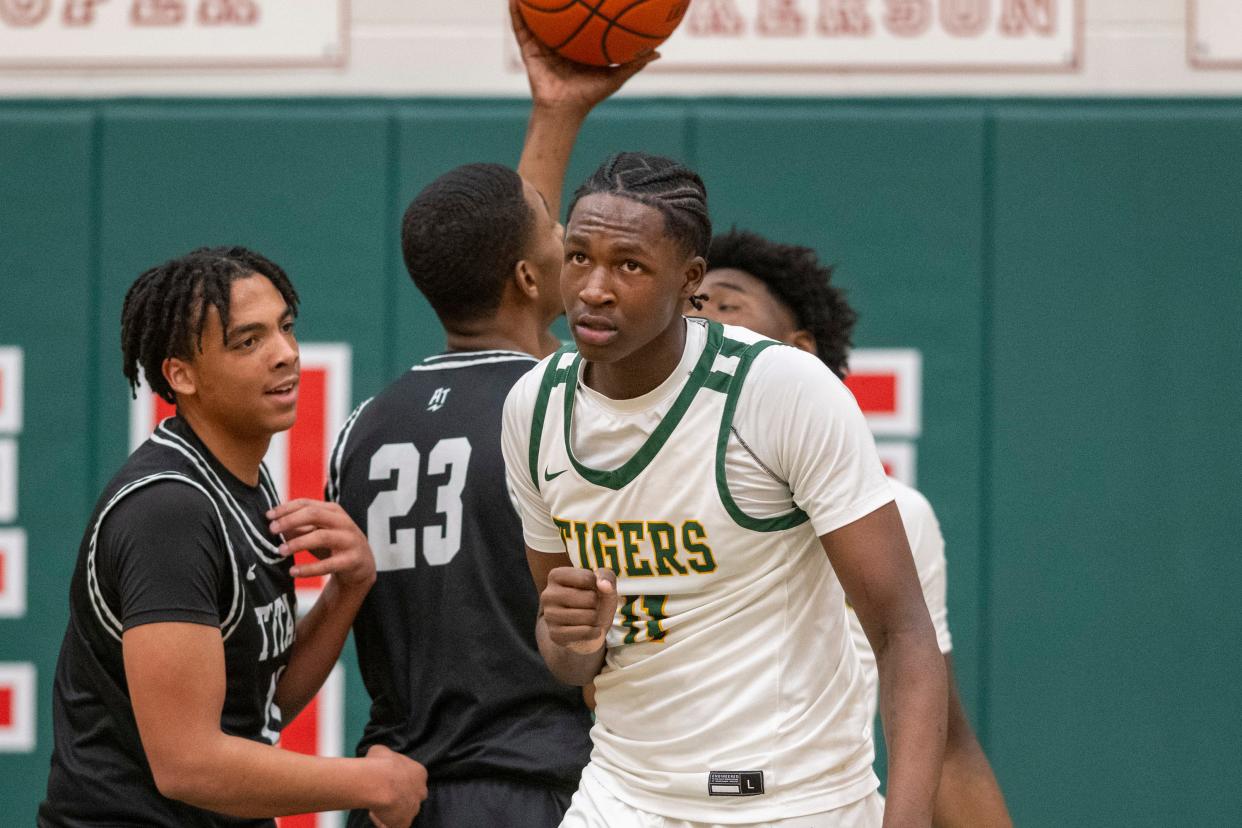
(526, 280)
(802, 340)
(696, 269)
(179, 374)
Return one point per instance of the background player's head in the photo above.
(635, 244)
(477, 234)
(212, 331)
(779, 290)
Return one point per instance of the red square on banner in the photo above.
(876, 393)
(6, 707)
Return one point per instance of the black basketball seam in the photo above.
(548, 11)
(603, 41)
(622, 26)
(591, 13)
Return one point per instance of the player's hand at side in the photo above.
(327, 532)
(578, 606)
(556, 82)
(407, 780)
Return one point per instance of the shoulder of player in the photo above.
(171, 502)
(912, 504)
(786, 370)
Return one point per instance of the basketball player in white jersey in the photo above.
(783, 292)
(697, 503)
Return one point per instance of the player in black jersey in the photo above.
(446, 638)
(184, 656)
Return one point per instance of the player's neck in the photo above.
(642, 371)
(507, 330)
(240, 455)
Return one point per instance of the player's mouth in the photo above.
(594, 330)
(286, 393)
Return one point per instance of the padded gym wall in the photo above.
(1070, 271)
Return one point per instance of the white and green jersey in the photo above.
(731, 691)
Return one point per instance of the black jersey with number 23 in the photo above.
(445, 638)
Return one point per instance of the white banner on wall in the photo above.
(878, 36)
(55, 34)
(1214, 32)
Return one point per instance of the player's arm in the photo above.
(176, 678)
(576, 607)
(345, 556)
(807, 426)
(872, 559)
(563, 93)
(969, 796)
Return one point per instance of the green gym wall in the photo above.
(1070, 270)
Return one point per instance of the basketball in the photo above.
(603, 32)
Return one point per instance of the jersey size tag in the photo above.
(734, 783)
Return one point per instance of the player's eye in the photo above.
(631, 266)
(247, 343)
(287, 327)
(576, 257)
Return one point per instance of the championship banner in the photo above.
(17, 707)
(72, 34)
(12, 573)
(899, 459)
(298, 463)
(888, 385)
(10, 388)
(1214, 34)
(877, 36)
(8, 480)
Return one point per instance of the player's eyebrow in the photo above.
(256, 327)
(725, 285)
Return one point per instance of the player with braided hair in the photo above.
(697, 503)
(446, 646)
(782, 291)
(184, 655)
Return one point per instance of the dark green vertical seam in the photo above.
(690, 135)
(986, 442)
(94, 287)
(392, 246)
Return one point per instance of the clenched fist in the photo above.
(578, 607)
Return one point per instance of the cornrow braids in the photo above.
(166, 308)
(796, 278)
(670, 187)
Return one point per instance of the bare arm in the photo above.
(969, 796)
(576, 607)
(327, 530)
(176, 678)
(872, 558)
(563, 93)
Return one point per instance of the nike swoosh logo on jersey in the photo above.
(552, 475)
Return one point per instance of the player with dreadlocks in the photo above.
(697, 503)
(782, 291)
(184, 656)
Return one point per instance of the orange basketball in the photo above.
(602, 32)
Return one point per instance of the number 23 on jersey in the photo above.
(440, 543)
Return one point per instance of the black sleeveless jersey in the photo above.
(174, 537)
(446, 637)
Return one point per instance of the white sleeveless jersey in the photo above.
(731, 691)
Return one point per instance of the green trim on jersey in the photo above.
(624, 475)
(551, 376)
(773, 524)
